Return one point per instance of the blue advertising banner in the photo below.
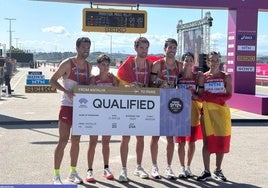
(38, 82)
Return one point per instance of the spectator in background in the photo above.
(2, 62)
(8, 67)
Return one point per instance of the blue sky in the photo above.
(47, 27)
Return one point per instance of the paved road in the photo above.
(28, 136)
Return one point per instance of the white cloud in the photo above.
(218, 36)
(262, 44)
(55, 29)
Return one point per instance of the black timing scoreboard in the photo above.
(114, 20)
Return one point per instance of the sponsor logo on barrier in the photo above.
(38, 82)
(31, 76)
(246, 48)
(34, 72)
(246, 58)
(245, 69)
(40, 89)
(246, 37)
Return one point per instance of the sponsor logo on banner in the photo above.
(175, 105)
(246, 58)
(38, 82)
(32, 76)
(34, 72)
(39, 89)
(246, 48)
(246, 37)
(245, 69)
(83, 103)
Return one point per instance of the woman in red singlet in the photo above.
(105, 78)
(193, 81)
(216, 118)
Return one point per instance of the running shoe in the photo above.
(217, 174)
(90, 177)
(123, 176)
(108, 174)
(57, 180)
(188, 172)
(206, 175)
(169, 173)
(73, 177)
(141, 173)
(155, 174)
(182, 173)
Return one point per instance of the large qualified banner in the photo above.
(131, 111)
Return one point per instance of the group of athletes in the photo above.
(210, 116)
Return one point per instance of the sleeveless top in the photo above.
(77, 77)
(142, 75)
(171, 76)
(108, 82)
(215, 84)
(188, 83)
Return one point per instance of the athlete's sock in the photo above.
(72, 169)
(56, 172)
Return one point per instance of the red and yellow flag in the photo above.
(217, 120)
(126, 74)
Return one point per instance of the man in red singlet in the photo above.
(134, 73)
(165, 73)
(74, 70)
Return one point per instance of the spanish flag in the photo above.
(217, 120)
(126, 73)
(196, 131)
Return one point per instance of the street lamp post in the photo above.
(10, 35)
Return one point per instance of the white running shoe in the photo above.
(155, 174)
(169, 173)
(182, 173)
(141, 173)
(188, 172)
(108, 174)
(74, 177)
(123, 176)
(90, 177)
(57, 180)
